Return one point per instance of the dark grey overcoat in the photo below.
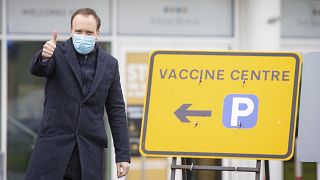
(69, 117)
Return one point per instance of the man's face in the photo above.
(84, 25)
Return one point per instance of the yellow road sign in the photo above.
(221, 104)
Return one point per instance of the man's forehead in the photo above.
(84, 19)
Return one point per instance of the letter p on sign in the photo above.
(240, 111)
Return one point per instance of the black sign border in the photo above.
(223, 155)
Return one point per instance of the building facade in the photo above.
(130, 30)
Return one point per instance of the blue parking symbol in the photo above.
(240, 111)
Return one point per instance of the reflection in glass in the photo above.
(25, 99)
(134, 114)
(25, 105)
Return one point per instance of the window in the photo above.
(300, 18)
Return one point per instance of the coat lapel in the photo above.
(100, 69)
(73, 62)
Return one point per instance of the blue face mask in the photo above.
(83, 44)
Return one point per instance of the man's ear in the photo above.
(98, 34)
(71, 30)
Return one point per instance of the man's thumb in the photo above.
(54, 37)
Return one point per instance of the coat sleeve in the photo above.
(116, 112)
(42, 68)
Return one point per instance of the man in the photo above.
(82, 81)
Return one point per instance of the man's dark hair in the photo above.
(87, 12)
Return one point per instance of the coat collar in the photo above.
(71, 57)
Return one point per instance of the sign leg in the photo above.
(173, 170)
(258, 166)
(267, 170)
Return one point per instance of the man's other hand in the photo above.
(122, 169)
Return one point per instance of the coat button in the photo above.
(77, 132)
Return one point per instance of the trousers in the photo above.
(73, 170)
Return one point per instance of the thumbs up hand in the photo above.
(49, 46)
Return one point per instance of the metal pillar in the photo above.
(4, 90)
